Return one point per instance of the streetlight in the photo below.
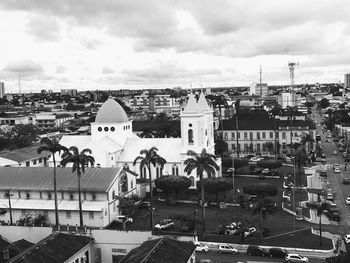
(195, 222)
(8, 195)
(319, 211)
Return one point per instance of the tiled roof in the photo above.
(138, 126)
(248, 124)
(3, 243)
(297, 123)
(24, 154)
(41, 178)
(162, 250)
(56, 248)
(19, 246)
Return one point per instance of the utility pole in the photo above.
(260, 82)
(8, 195)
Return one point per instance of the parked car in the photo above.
(164, 224)
(255, 159)
(257, 251)
(250, 231)
(204, 260)
(123, 219)
(200, 247)
(227, 249)
(329, 197)
(337, 170)
(347, 239)
(346, 180)
(291, 258)
(323, 173)
(347, 201)
(144, 205)
(278, 252)
(222, 205)
(335, 152)
(345, 154)
(335, 216)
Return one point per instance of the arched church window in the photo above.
(144, 172)
(192, 180)
(99, 129)
(106, 128)
(190, 136)
(112, 129)
(123, 183)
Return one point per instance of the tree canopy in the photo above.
(260, 189)
(271, 164)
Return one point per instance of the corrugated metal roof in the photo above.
(41, 178)
(24, 154)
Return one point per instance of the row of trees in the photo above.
(19, 136)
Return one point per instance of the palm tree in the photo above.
(203, 162)
(309, 140)
(300, 157)
(53, 147)
(237, 107)
(321, 207)
(80, 161)
(148, 158)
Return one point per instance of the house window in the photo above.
(132, 184)
(250, 135)
(24, 212)
(232, 135)
(159, 171)
(264, 135)
(34, 162)
(258, 135)
(283, 146)
(41, 195)
(246, 147)
(192, 180)
(175, 169)
(271, 135)
(190, 136)
(144, 172)
(225, 135)
(62, 195)
(49, 196)
(28, 195)
(93, 197)
(28, 164)
(283, 135)
(113, 194)
(91, 215)
(239, 135)
(233, 146)
(245, 135)
(40, 160)
(68, 214)
(71, 196)
(258, 147)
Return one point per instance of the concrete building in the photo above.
(15, 119)
(287, 99)
(24, 157)
(347, 81)
(261, 90)
(70, 92)
(2, 89)
(49, 120)
(32, 193)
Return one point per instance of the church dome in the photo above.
(111, 112)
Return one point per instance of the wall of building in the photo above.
(31, 234)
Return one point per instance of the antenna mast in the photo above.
(291, 66)
(19, 83)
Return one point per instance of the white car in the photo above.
(347, 201)
(227, 249)
(337, 170)
(291, 258)
(123, 219)
(347, 239)
(200, 247)
(164, 224)
(250, 231)
(255, 159)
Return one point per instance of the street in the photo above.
(334, 181)
(229, 258)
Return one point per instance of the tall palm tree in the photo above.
(300, 157)
(80, 161)
(53, 147)
(237, 108)
(309, 140)
(203, 162)
(146, 159)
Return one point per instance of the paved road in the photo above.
(228, 258)
(334, 181)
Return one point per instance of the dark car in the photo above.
(277, 252)
(144, 205)
(346, 180)
(257, 251)
(335, 216)
(323, 174)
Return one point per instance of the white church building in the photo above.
(113, 143)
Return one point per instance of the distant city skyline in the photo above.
(89, 45)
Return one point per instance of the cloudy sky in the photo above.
(113, 44)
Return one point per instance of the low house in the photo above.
(24, 157)
(162, 250)
(14, 249)
(31, 194)
(58, 248)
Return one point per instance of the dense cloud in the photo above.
(241, 31)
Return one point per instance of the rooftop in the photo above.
(24, 154)
(162, 250)
(111, 112)
(56, 248)
(41, 178)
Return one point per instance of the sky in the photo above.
(135, 44)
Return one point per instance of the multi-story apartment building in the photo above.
(48, 120)
(2, 89)
(31, 191)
